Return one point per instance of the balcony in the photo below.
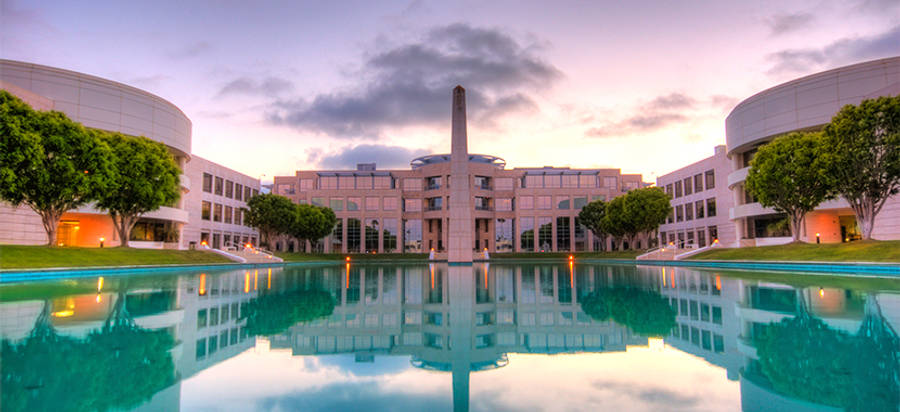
(432, 186)
(185, 182)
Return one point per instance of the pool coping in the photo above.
(880, 269)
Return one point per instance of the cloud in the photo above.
(838, 53)
(385, 157)
(655, 114)
(409, 84)
(269, 86)
(350, 396)
(191, 50)
(787, 22)
(663, 398)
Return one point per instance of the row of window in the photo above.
(217, 240)
(210, 345)
(222, 213)
(699, 311)
(691, 185)
(700, 338)
(216, 315)
(690, 211)
(686, 237)
(351, 204)
(221, 187)
(354, 182)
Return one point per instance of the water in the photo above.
(415, 337)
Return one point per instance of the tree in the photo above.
(863, 154)
(271, 214)
(143, 178)
(591, 216)
(48, 162)
(646, 209)
(645, 312)
(273, 313)
(616, 221)
(789, 175)
(312, 223)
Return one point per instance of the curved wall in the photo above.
(103, 104)
(808, 102)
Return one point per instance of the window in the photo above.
(698, 183)
(229, 189)
(711, 207)
(689, 211)
(678, 189)
(570, 181)
(412, 205)
(306, 184)
(412, 235)
(562, 233)
(382, 182)
(504, 229)
(228, 213)
(238, 191)
(610, 182)
(503, 183)
(679, 213)
(717, 315)
(579, 202)
(353, 235)
(247, 193)
(219, 184)
(482, 182)
(699, 206)
(217, 213)
(669, 190)
(543, 202)
(534, 181)
(204, 211)
(201, 318)
(346, 182)
(201, 349)
(713, 233)
(432, 183)
(671, 217)
(372, 231)
(389, 229)
(371, 203)
(526, 234)
(328, 182)
(552, 181)
(390, 203)
(710, 179)
(688, 186)
(207, 183)
(336, 204)
(587, 181)
(238, 215)
(598, 197)
(562, 202)
(434, 203)
(526, 202)
(364, 182)
(412, 185)
(504, 204)
(353, 204)
(482, 203)
(545, 233)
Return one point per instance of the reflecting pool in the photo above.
(488, 337)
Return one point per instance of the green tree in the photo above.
(271, 214)
(312, 223)
(591, 216)
(863, 154)
(48, 162)
(789, 174)
(616, 222)
(645, 312)
(272, 313)
(646, 209)
(144, 177)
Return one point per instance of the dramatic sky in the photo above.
(273, 87)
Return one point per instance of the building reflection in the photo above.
(451, 319)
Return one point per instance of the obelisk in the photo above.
(461, 226)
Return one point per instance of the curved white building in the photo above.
(104, 104)
(807, 103)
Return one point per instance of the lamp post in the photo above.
(818, 239)
(101, 241)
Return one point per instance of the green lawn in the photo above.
(24, 257)
(868, 251)
(413, 257)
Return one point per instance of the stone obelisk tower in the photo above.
(461, 226)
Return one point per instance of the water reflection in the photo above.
(124, 343)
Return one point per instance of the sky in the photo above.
(275, 87)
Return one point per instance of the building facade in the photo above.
(700, 202)
(107, 105)
(218, 205)
(804, 104)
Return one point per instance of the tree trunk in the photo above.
(864, 209)
(796, 224)
(123, 225)
(50, 220)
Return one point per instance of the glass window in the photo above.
(207, 182)
(552, 181)
(669, 190)
(562, 233)
(371, 203)
(482, 182)
(598, 197)
(610, 182)
(371, 235)
(213, 344)
(412, 185)
(336, 204)
(710, 179)
(717, 315)
(317, 201)
(205, 209)
(390, 203)
(534, 181)
(679, 213)
(570, 181)
(306, 184)
(543, 202)
(432, 183)
(382, 182)
(328, 182)
(412, 205)
(229, 189)
(503, 183)
(201, 349)
(718, 343)
(526, 202)
(504, 235)
(526, 233)
(579, 202)
(688, 186)
(353, 235)
(238, 191)
(545, 233)
(228, 213)
(389, 235)
(217, 212)
(689, 211)
(482, 203)
(562, 202)
(699, 206)
(678, 189)
(711, 207)
(504, 204)
(698, 183)
(219, 184)
(587, 181)
(202, 318)
(434, 203)
(412, 235)
(346, 182)
(364, 182)
(247, 193)
(353, 203)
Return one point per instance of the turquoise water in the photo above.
(498, 337)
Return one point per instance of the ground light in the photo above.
(818, 241)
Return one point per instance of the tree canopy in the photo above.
(638, 211)
(48, 162)
(271, 214)
(863, 154)
(645, 312)
(312, 223)
(591, 216)
(143, 178)
(790, 175)
(273, 313)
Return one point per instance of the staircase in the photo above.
(246, 254)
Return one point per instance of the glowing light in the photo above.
(255, 279)
(247, 282)
(718, 283)
(664, 277)
(85, 172)
(203, 243)
(63, 313)
(269, 281)
(821, 293)
(347, 258)
(571, 257)
(817, 234)
(77, 227)
(102, 238)
(202, 290)
(98, 298)
(432, 275)
(347, 271)
(99, 284)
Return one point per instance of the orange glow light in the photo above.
(347, 258)
(98, 298)
(269, 282)
(718, 283)
(821, 293)
(347, 283)
(432, 276)
(247, 282)
(255, 279)
(202, 290)
(102, 238)
(99, 284)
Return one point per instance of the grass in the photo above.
(863, 251)
(36, 257)
(422, 257)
